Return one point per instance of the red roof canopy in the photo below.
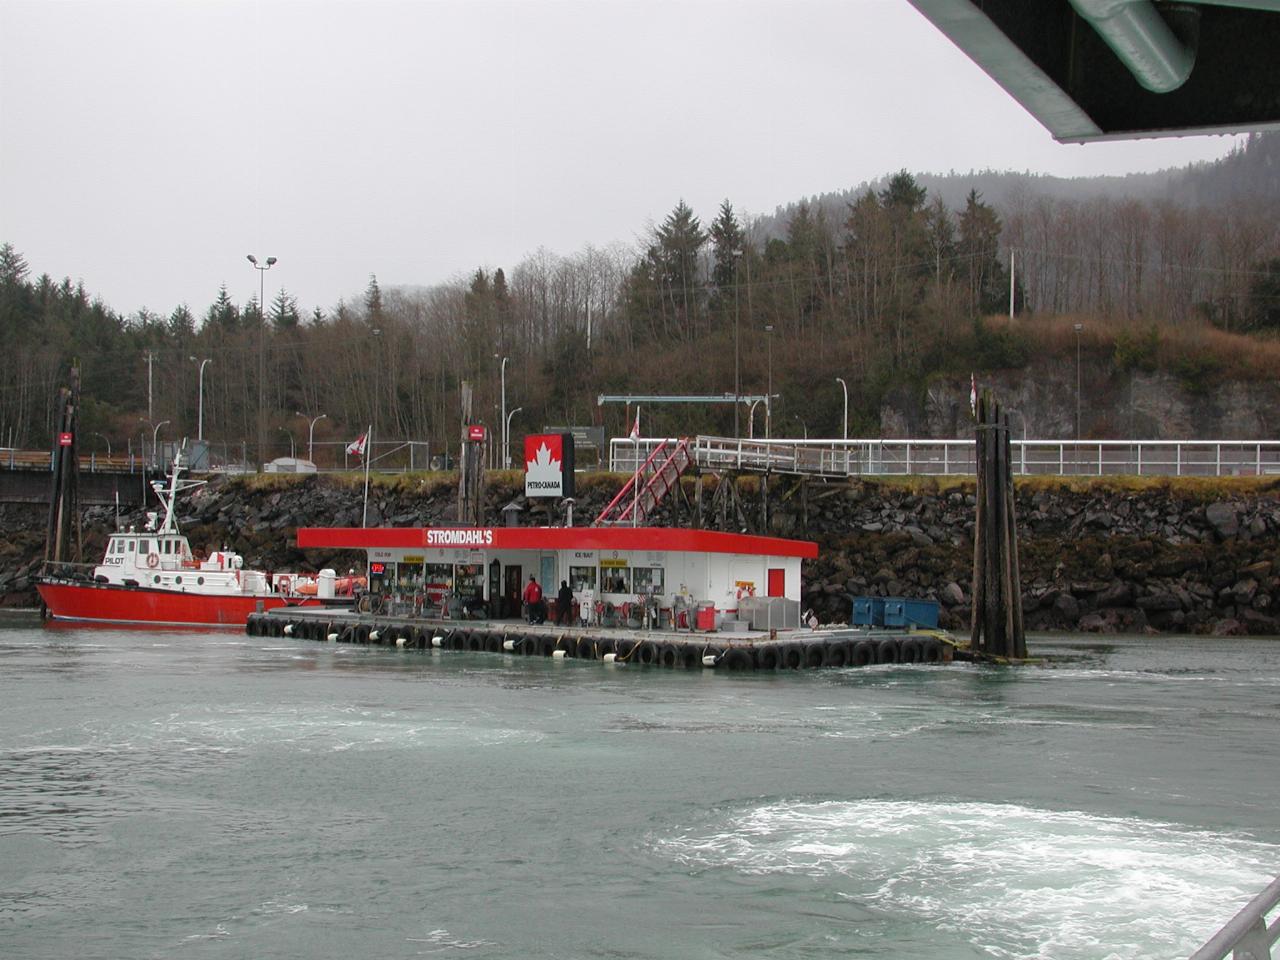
(553, 538)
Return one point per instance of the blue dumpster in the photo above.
(904, 612)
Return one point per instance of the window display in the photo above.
(648, 581)
(582, 578)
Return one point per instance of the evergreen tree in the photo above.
(979, 250)
(727, 240)
(284, 311)
(222, 313)
(373, 302)
(673, 258)
(182, 325)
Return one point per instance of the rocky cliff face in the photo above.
(1105, 556)
(1114, 405)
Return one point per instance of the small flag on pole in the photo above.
(973, 393)
(356, 446)
(635, 428)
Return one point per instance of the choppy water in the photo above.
(165, 794)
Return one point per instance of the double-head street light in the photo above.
(262, 348)
(311, 434)
(200, 417)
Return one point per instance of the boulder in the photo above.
(1224, 518)
(1159, 601)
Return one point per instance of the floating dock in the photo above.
(759, 650)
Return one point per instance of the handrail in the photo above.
(1246, 935)
(632, 483)
(877, 457)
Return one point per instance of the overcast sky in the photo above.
(146, 147)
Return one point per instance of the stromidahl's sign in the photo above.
(548, 465)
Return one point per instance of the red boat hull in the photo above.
(107, 603)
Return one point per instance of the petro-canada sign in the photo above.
(548, 465)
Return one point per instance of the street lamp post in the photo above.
(844, 422)
(506, 423)
(1078, 328)
(155, 440)
(262, 349)
(506, 453)
(751, 420)
(293, 451)
(200, 416)
(768, 400)
(106, 441)
(311, 434)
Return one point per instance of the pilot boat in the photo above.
(151, 576)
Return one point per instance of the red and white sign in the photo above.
(544, 465)
(64, 439)
(475, 432)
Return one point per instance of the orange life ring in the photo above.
(153, 560)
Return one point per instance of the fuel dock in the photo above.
(751, 650)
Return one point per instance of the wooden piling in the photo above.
(996, 624)
(63, 541)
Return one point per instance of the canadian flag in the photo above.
(356, 446)
(635, 427)
(973, 393)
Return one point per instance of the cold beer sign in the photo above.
(548, 465)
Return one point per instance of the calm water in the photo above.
(166, 794)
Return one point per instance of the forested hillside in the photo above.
(888, 285)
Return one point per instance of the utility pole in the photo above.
(1012, 253)
(150, 356)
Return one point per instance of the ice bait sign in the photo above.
(548, 465)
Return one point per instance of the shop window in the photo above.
(648, 580)
(582, 578)
(616, 579)
(469, 581)
(437, 582)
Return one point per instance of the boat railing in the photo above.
(1246, 936)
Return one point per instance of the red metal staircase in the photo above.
(646, 489)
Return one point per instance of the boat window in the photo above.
(144, 546)
(130, 545)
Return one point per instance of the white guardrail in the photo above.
(1246, 935)
(844, 458)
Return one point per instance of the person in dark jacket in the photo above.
(564, 604)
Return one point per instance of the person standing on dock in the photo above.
(564, 604)
(537, 611)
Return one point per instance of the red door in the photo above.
(777, 582)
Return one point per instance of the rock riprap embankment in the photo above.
(1103, 556)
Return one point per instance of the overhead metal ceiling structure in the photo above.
(1118, 69)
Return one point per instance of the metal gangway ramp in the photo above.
(649, 484)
